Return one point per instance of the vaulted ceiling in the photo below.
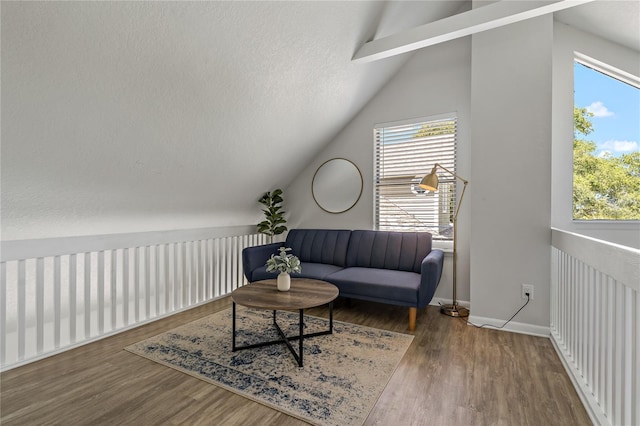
(119, 111)
(617, 21)
(133, 116)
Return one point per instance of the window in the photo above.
(606, 150)
(404, 153)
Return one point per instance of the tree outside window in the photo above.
(606, 151)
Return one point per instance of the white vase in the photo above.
(284, 281)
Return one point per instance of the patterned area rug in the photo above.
(342, 378)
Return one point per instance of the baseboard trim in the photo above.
(591, 406)
(512, 326)
(439, 301)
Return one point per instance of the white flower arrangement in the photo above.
(284, 262)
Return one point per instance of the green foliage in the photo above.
(274, 222)
(604, 187)
(441, 128)
(284, 262)
(581, 120)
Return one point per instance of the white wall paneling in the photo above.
(68, 297)
(595, 323)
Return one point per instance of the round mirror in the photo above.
(337, 185)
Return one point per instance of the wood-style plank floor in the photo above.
(452, 374)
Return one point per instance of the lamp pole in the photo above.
(430, 183)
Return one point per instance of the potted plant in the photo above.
(274, 222)
(286, 264)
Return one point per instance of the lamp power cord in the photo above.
(501, 326)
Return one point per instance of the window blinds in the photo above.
(404, 154)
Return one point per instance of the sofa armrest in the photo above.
(256, 256)
(430, 273)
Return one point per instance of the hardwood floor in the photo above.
(452, 374)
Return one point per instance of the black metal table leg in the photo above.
(301, 334)
(283, 337)
(330, 317)
(233, 328)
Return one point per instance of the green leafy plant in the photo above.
(274, 222)
(605, 187)
(284, 262)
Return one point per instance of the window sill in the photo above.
(445, 246)
(600, 223)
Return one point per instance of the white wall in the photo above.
(504, 89)
(568, 40)
(434, 81)
(511, 72)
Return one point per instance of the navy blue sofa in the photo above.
(399, 268)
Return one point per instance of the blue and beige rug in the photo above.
(342, 378)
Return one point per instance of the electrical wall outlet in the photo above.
(527, 288)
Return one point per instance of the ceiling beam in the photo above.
(484, 18)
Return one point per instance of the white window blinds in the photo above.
(404, 154)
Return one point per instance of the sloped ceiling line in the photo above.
(463, 24)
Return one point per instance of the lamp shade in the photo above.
(430, 181)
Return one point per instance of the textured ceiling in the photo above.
(614, 20)
(123, 116)
(134, 116)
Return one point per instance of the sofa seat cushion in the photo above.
(318, 271)
(385, 284)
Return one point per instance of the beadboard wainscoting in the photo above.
(59, 293)
(595, 323)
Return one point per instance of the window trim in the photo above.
(625, 77)
(445, 245)
(607, 69)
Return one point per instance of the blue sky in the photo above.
(616, 109)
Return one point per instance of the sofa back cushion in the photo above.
(403, 251)
(319, 245)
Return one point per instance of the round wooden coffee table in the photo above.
(304, 293)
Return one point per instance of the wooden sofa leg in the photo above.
(412, 318)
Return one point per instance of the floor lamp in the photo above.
(430, 183)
